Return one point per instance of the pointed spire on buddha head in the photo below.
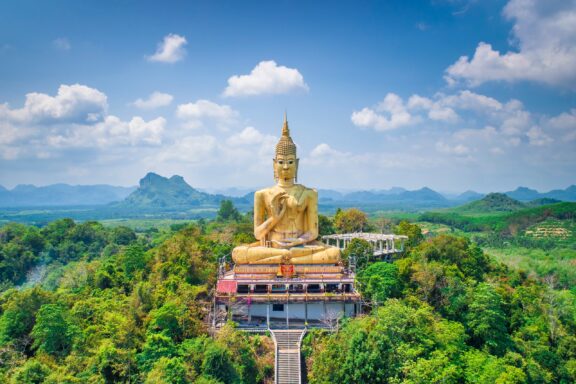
(285, 145)
(285, 152)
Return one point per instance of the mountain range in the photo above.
(156, 192)
(26, 195)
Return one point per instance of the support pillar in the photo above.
(287, 316)
(268, 315)
(306, 312)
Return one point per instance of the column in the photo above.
(287, 322)
(306, 312)
(268, 315)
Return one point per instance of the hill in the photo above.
(493, 202)
(158, 192)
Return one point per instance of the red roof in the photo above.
(226, 286)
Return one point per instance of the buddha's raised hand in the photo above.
(279, 205)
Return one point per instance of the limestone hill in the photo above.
(158, 192)
(493, 202)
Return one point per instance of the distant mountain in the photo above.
(391, 191)
(469, 196)
(232, 192)
(27, 195)
(527, 194)
(425, 194)
(568, 194)
(492, 202)
(329, 195)
(395, 194)
(158, 192)
(542, 201)
(524, 194)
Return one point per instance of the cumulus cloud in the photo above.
(390, 114)
(266, 78)
(155, 100)
(195, 114)
(485, 125)
(247, 136)
(76, 117)
(110, 132)
(563, 125)
(170, 50)
(538, 137)
(545, 33)
(436, 110)
(73, 104)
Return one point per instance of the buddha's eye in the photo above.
(291, 162)
(280, 162)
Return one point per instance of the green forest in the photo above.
(84, 302)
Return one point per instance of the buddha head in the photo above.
(285, 160)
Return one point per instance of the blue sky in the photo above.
(450, 94)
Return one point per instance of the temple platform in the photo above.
(314, 294)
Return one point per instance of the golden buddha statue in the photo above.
(286, 218)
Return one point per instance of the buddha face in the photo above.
(285, 168)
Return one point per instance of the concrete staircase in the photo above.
(287, 368)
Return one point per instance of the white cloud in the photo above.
(468, 100)
(194, 114)
(563, 125)
(109, 133)
(390, 114)
(266, 78)
(486, 126)
(538, 137)
(155, 100)
(251, 141)
(436, 110)
(249, 135)
(74, 103)
(62, 43)
(170, 50)
(75, 118)
(324, 149)
(545, 32)
(564, 121)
